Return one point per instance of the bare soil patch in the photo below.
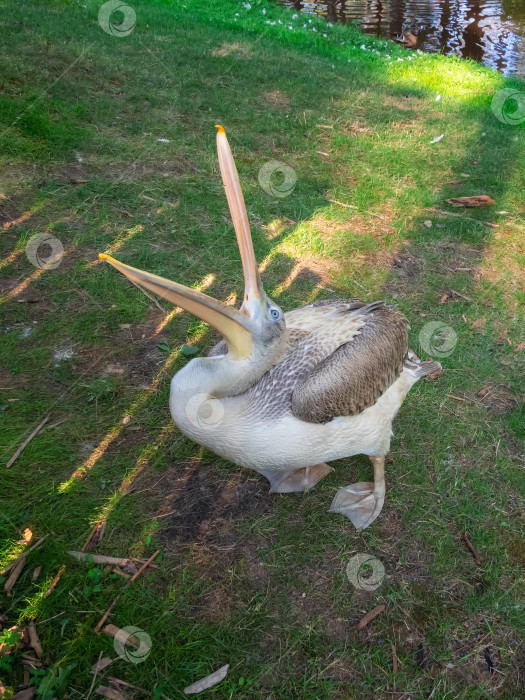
(226, 49)
(277, 98)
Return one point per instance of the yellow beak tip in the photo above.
(220, 129)
(103, 256)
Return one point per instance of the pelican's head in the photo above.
(256, 330)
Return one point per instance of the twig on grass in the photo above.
(55, 425)
(55, 581)
(34, 641)
(144, 566)
(41, 622)
(394, 658)
(118, 571)
(17, 570)
(471, 548)
(103, 559)
(111, 693)
(444, 212)
(117, 681)
(99, 558)
(94, 677)
(371, 616)
(149, 297)
(352, 206)
(113, 630)
(95, 526)
(15, 562)
(27, 441)
(133, 578)
(460, 295)
(106, 615)
(98, 532)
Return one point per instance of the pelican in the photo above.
(284, 393)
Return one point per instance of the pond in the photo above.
(490, 31)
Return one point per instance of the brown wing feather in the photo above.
(354, 376)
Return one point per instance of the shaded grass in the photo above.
(231, 585)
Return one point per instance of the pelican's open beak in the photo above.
(234, 326)
(254, 295)
(237, 327)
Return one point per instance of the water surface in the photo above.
(490, 31)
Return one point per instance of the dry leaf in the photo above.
(479, 200)
(207, 682)
(520, 347)
(27, 537)
(444, 298)
(101, 664)
(26, 694)
(111, 693)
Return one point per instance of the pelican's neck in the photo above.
(221, 376)
(216, 376)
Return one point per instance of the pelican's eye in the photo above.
(275, 314)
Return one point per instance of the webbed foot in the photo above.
(362, 502)
(302, 479)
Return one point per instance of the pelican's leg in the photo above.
(302, 479)
(362, 502)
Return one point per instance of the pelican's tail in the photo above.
(420, 368)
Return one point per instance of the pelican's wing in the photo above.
(359, 370)
(320, 377)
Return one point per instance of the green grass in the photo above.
(247, 579)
